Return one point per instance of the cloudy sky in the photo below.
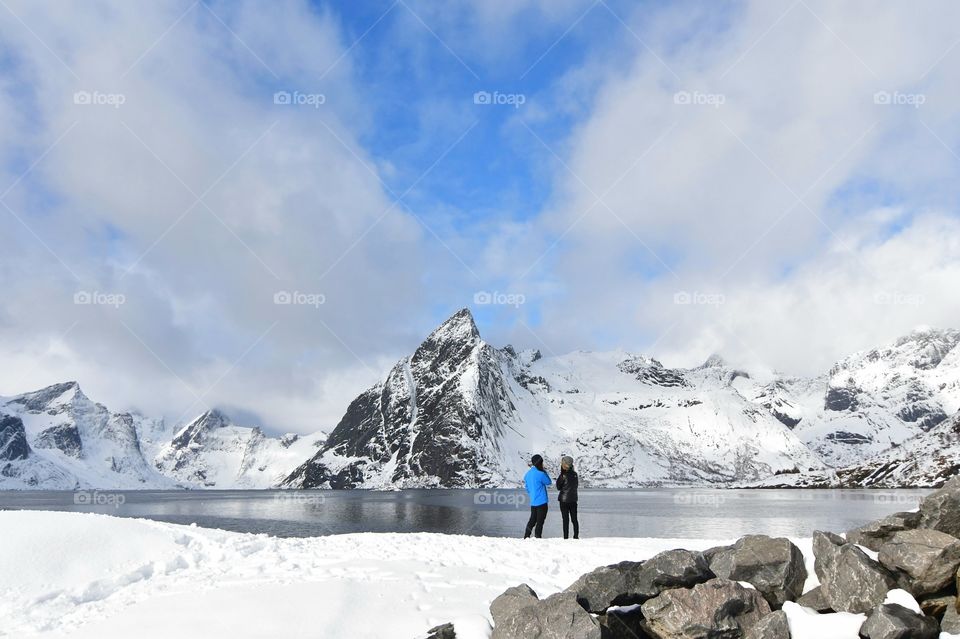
(260, 206)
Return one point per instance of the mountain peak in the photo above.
(714, 361)
(211, 419)
(460, 325)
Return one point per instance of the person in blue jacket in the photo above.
(536, 480)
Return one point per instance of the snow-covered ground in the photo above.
(100, 577)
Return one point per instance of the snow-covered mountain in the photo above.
(460, 412)
(57, 438)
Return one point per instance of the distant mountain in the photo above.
(57, 438)
(459, 412)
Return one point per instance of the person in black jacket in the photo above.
(567, 483)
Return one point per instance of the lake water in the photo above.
(655, 512)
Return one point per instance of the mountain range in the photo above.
(459, 412)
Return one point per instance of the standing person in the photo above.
(567, 483)
(536, 480)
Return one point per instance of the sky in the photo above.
(260, 207)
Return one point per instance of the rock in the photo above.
(936, 606)
(607, 586)
(893, 621)
(511, 601)
(622, 624)
(940, 510)
(13, 439)
(558, 616)
(849, 580)
(445, 631)
(670, 569)
(774, 566)
(710, 553)
(950, 621)
(716, 609)
(814, 600)
(877, 533)
(928, 558)
(773, 626)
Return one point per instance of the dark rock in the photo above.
(774, 566)
(558, 616)
(670, 569)
(446, 631)
(622, 624)
(951, 620)
(13, 439)
(773, 626)
(814, 600)
(62, 437)
(940, 510)
(710, 553)
(893, 621)
(936, 606)
(850, 581)
(511, 601)
(928, 558)
(877, 533)
(717, 609)
(841, 399)
(607, 586)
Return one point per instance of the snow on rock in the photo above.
(809, 624)
(99, 577)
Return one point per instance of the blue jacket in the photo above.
(536, 482)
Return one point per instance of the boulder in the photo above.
(773, 626)
(511, 601)
(850, 581)
(936, 606)
(717, 609)
(877, 533)
(445, 631)
(928, 558)
(670, 569)
(607, 586)
(774, 566)
(558, 616)
(814, 600)
(893, 621)
(950, 621)
(940, 510)
(622, 624)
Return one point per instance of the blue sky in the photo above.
(727, 153)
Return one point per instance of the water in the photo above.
(656, 512)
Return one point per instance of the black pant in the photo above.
(537, 516)
(569, 511)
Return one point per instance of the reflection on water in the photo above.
(659, 512)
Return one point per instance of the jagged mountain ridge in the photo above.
(460, 412)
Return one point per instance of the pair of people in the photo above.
(536, 481)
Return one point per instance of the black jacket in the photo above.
(567, 487)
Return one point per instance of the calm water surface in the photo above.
(656, 512)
